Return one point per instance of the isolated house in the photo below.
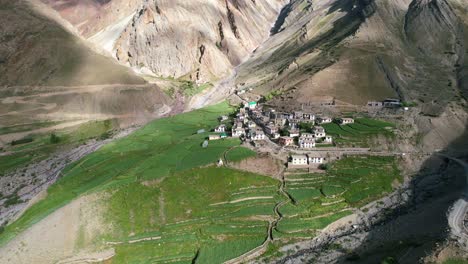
(328, 139)
(223, 118)
(324, 120)
(345, 121)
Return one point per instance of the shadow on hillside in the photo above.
(412, 231)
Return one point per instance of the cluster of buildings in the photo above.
(254, 123)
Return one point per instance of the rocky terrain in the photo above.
(200, 40)
(364, 50)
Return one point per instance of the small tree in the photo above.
(54, 139)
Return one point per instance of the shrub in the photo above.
(22, 141)
(54, 139)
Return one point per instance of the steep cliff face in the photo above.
(199, 39)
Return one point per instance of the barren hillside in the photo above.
(361, 50)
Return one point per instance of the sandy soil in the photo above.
(263, 164)
(57, 236)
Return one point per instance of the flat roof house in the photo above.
(345, 121)
(238, 132)
(293, 133)
(220, 129)
(319, 132)
(258, 135)
(324, 120)
(328, 139)
(307, 135)
(316, 160)
(307, 143)
(299, 160)
(286, 141)
(271, 129)
(276, 135)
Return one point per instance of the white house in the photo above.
(319, 132)
(307, 143)
(237, 132)
(223, 118)
(328, 139)
(299, 160)
(316, 160)
(276, 135)
(251, 124)
(324, 120)
(220, 129)
(293, 133)
(345, 121)
(257, 135)
(307, 135)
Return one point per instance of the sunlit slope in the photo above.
(36, 50)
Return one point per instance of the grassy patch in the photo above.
(323, 198)
(41, 146)
(239, 153)
(360, 133)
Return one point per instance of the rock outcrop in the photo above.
(199, 39)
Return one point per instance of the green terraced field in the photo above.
(360, 133)
(320, 199)
(163, 200)
(41, 146)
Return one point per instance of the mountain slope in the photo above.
(36, 50)
(361, 50)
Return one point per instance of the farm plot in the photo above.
(194, 208)
(360, 133)
(319, 199)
